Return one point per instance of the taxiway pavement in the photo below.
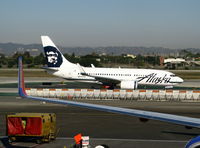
(114, 130)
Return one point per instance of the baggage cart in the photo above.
(40, 127)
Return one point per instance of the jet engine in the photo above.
(129, 84)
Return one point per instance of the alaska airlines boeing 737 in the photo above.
(125, 78)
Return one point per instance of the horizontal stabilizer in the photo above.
(51, 68)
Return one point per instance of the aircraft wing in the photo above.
(175, 119)
(104, 80)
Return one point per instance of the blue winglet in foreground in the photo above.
(175, 119)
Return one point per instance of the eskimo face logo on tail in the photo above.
(53, 56)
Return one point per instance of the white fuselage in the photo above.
(143, 76)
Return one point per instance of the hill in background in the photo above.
(35, 49)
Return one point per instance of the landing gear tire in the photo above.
(39, 141)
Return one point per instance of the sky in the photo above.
(70, 23)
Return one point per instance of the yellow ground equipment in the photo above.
(35, 126)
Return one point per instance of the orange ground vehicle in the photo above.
(36, 126)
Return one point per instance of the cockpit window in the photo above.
(173, 75)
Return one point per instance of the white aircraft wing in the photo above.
(104, 80)
(175, 119)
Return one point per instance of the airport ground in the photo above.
(114, 130)
(106, 128)
(10, 83)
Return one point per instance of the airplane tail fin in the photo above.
(21, 86)
(54, 57)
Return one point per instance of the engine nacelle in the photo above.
(129, 85)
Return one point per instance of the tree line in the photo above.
(85, 60)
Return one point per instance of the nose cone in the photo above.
(180, 80)
(176, 80)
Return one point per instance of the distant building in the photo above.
(103, 54)
(174, 63)
(130, 55)
(174, 60)
(98, 60)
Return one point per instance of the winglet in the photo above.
(21, 86)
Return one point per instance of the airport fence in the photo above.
(104, 94)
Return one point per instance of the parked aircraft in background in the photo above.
(125, 78)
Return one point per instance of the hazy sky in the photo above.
(166, 23)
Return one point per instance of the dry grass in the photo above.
(27, 73)
(188, 74)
